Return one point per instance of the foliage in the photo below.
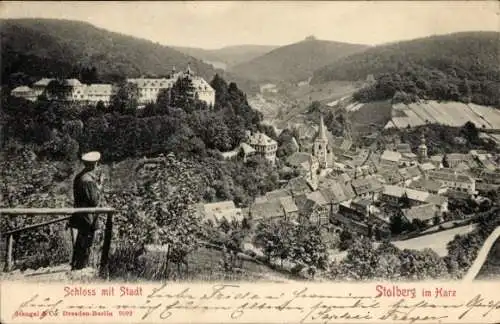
(460, 67)
(364, 262)
(302, 244)
(125, 100)
(463, 250)
(441, 139)
(36, 48)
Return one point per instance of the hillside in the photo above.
(43, 47)
(464, 50)
(295, 62)
(227, 56)
(456, 67)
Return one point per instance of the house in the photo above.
(363, 206)
(434, 187)
(99, 92)
(350, 223)
(336, 191)
(426, 213)
(72, 90)
(410, 174)
(298, 186)
(368, 188)
(246, 151)
(216, 212)
(454, 180)
(403, 148)
(274, 207)
(314, 207)
(393, 195)
(290, 208)
(436, 160)
(279, 193)
(40, 86)
(300, 160)
(264, 146)
(24, 92)
(391, 175)
(427, 166)
(267, 209)
(455, 159)
(390, 158)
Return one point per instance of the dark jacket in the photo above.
(85, 194)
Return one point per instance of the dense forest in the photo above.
(36, 48)
(294, 62)
(461, 67)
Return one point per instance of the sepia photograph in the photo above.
(261, 142)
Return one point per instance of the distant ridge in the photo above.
(295, 62)
(229, 55)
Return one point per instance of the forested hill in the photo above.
(43, 47)
(464, 51)
(460, 66)
(295, 62)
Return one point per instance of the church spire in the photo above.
(322, 129)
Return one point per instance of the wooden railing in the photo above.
(68, 212)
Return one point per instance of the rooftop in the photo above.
(261, 139)
(422, 212)
(449, 175)
(391, 156)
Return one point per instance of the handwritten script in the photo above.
(239, 303)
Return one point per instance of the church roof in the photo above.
(322, 130)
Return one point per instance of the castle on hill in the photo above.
(148, 89)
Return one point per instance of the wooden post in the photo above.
(8, 257)
(108, 232)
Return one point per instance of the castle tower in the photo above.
(422, 150)
(320, 146)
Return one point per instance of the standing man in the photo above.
(86, 193)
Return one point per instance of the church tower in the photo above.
(422, 150)
(320, 147)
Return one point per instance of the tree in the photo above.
(445, 162)
(346, 239)
(164, 100)
(183, 94)
(470, 132)
(307, 247)
(404, 201)
(57, 89)
(398, 223)
(126, 99)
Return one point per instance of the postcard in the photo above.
(205, 162)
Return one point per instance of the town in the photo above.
(284, 165)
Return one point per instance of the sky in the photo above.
(209, 24)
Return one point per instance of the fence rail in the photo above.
(13, 212)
